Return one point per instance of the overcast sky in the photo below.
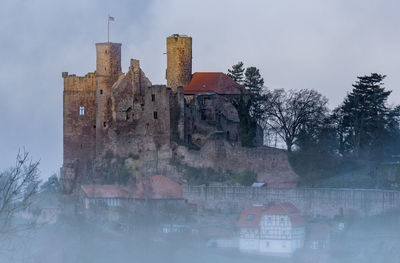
(320, 45)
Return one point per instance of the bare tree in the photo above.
(18, 186)
(286, 113)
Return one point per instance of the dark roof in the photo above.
(213, 82)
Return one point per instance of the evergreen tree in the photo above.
(253, 81)
(364, 116)
(236, 73)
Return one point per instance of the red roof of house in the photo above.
(158, 187)
(257, 211)
(107, 191)
(286, 208)
(283, 209)
(154, 187)
(213, 82)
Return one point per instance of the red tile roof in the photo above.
(154, 187)
(283, 209)
(158, 187)
(213, 82)
(256, 211)
(286, 208)
(107, 191)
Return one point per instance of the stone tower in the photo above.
(179, 61)
(108, 70)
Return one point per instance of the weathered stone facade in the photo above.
(179, 61)
(119, 123)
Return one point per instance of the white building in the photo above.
(277, 229)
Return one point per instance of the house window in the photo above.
(81, 110)
(281, 219)
(155, 115)
(250, 217)
(101, 91)
(205, 100)
(153, 97)
(269, 219)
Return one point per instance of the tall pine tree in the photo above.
(253, 81)
(236, 73)
(364, 116)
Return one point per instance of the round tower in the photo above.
(179, 61)
(108, 69)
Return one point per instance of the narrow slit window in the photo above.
(81, 110)
(104, 124)
(101, 91)
(153, 97)
(155, 115)
(128, 113)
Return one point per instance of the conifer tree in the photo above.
(253, 81)
(364, 115)
(236, 73)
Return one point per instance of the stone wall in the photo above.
(208, 113)
(79, 120)
(311, 201)
(270, 164)
(179, 61)
(108, 70)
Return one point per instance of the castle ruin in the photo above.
(114, 120)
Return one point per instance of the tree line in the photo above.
(363, 129)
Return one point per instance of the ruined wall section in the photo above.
(271, 164)
(140, 128)
(179, 61)
(79, 120)
(108, 71)
(207, 114)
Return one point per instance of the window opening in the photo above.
(250, 217)
(153, 97)
(128, 113)
(81, 110)
(155, 115)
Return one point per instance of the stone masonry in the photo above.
(119, 123)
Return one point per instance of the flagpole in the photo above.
(108, 29)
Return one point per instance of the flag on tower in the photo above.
(111, 19)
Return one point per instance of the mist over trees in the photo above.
(18, 186)
(362, 133)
